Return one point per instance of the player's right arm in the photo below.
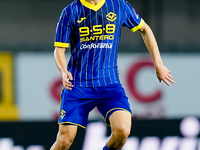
(60, 60)
(62, 40)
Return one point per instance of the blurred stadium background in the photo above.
(164, 118)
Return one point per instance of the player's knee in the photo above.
(65, 141)
(122, 131)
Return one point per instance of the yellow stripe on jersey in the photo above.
(138, 27)
(93, 7)
(59, 44)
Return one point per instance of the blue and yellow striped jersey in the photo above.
(93, 33)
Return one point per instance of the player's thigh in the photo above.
(120, 121)
(67, 132)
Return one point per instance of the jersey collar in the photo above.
(93, 7)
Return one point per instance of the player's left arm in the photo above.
(162, 72)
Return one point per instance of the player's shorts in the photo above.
(78, 102)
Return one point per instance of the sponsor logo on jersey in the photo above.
(96, 38)
(96, 45)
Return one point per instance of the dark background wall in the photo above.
(30, 25)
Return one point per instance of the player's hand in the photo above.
(164, 75)
(66, 77)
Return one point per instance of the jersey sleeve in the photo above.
(131, 19)
(63, 30)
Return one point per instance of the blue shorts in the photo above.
(78, 102)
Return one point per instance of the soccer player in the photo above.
(91, 30)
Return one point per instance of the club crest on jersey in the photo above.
(62, 114)
(111, 16)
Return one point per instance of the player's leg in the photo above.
(120, 122)
(74, 111)
(115, 108)
(65, 137)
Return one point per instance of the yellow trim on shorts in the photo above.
(112, 110)
(68, 122)
(60, 44)
(93, 7)
(138, 27)
(72, 124)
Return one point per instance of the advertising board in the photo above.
(8, 106)
(38, 86)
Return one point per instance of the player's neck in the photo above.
(93, 2)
